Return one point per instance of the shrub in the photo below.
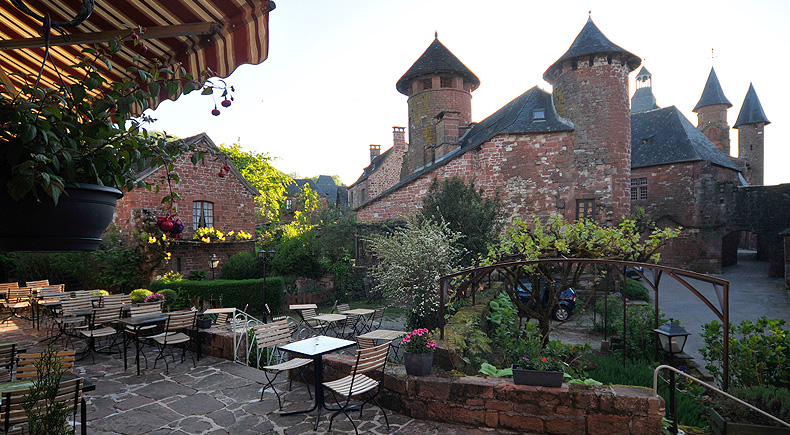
(773, 400)
(243, 265)
(640, 337)
(236, 293)
(636, 290)
(198, 275)
(759, 352)
(139, 295)
(171, 296)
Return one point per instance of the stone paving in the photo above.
(216, 397)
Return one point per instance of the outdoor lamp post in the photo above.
(265, 256)
(213, 262)
(673, 338)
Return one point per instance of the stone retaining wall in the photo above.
(499, 403)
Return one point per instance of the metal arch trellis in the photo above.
(721, 287)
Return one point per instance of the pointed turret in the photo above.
(711, 113)
(643, 99)
(751, 139)
(439, 87)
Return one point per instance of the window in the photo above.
(639, 188)
(202, 214)
(585, 209)
(289, 204)
(446, 82)
(539, 115)
(427, 83)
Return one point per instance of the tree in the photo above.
(412, 260)
(257, 169)
(466, 211)
(580, 239)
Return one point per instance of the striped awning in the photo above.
(216, 35)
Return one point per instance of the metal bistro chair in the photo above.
(7, 360)
(269, 337)
(308, 326)
(374, 322)
(17, 301)
(358, 382)
(67, 321)
(97, 328)
(26, 363)
(14, 417)
(174, 334)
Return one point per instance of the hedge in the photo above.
(234, 293)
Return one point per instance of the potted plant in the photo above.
(67, 150)
(418, 352)
(728, 417)
(538, 370)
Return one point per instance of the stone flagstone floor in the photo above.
(216, 397)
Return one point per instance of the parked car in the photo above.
(630, 272)
(562, 309)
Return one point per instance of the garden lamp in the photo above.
(265, 256)
(213, 262)
(673, 338)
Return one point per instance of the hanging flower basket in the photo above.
(76, 223)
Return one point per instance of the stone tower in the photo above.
(439, 87)
(643, 99)
(711, 113)
(590, 87)
(750, 124)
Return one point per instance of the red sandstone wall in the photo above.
(712, 122)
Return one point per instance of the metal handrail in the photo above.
(706, 385)
(241, 324)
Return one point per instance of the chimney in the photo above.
(375, 151)
(448, 129)
(399, 138)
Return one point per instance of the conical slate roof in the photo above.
(712, 94)
(590, 41)
(436, 59)
(751, 111)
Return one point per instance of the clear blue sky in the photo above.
(327, 90)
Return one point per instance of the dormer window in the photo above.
(539, 115)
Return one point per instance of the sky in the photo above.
(327, 90)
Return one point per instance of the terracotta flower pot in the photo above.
(418, 364)
(540, 378)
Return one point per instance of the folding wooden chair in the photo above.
(14, 417)
(358, 382)
(115, 300)
(36, 284)
(374, 322)
(26, 363)
(18, 301)
(7, 360)
(342, 308)
(268, 338)
(176, 326)
(69, 318)
(99, 327)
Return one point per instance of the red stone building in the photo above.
(205, 200)
(582, 151)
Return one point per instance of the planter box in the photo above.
(540, 378)
(418, 364)
(721, 426)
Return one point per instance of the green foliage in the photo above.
(467, 212)
(489, 370)
(759, 352)
(257, 169)
(236, 293)
(171, 296)
(773, 400)
(47, 414)
(636, 290)
(243, 265)
(640, 337)
(412, 260)
(91, 132)
(198, 275)
(139, 295)
(296, 256)
(611, 371)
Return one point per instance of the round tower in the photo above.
(439, 86)
(751, 123)
(711, 113)
(590, 87)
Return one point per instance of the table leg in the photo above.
(125, 344)
(318, 386)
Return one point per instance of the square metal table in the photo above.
(136, 323)
(315, 348)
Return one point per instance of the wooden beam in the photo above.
(157, 32)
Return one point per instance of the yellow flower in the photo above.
(167, 256)
(230, 233)
(151, 240)
(206, 240)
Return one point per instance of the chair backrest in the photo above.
(69, 305)
(144, 309)
(378, 317)
(307, 313)
(50, 292)
(15, 294)
(39, 283)
(104, 316)
(178, 320)
(342, 308)
(365, 342)
(116, 300)
(8, 285)
(7, 359)
(26, 363)
(13, 409)
(272, 334)
(371, 358)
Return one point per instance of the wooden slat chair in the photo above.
(374, 322)
(13, 416)
(358, 382)
(99, 327)
(67, 321)
(18, 301)
(7, 360)
(176, 326)
(4, 287)
(49, 294)
(26, 363)
(341, 308)
(268, 338)
(365, 343)
(36, 284)
(347, 328)
(117, 300)
(308, 326)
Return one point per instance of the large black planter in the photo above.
(418, 364)
(75, 224)
(540, 378)
(721, 426)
